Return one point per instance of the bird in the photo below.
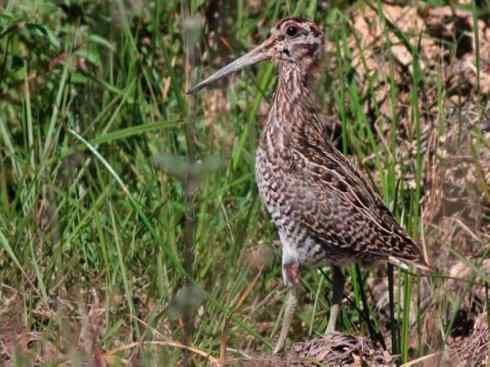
(325, 210)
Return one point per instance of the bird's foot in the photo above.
(330, 330)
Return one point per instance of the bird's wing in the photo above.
(344, 209)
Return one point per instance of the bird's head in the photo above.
(293, 42)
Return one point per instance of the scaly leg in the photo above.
(291, 302)
(338, 283)
(290, 273)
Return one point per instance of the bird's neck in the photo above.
(293, 119)
(294, 84)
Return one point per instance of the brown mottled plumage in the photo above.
(325, 211)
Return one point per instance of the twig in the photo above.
(160, 343)
(421, 359)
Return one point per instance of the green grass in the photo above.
(109, 230)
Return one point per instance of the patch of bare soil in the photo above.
(439, 40)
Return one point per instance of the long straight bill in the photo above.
(256, 55)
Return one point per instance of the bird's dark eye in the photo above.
(292, 31)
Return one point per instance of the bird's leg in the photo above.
(291, 278)
(338, 282)
(291, 302)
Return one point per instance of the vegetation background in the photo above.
(130, 228)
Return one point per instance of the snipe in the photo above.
(325, 211)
